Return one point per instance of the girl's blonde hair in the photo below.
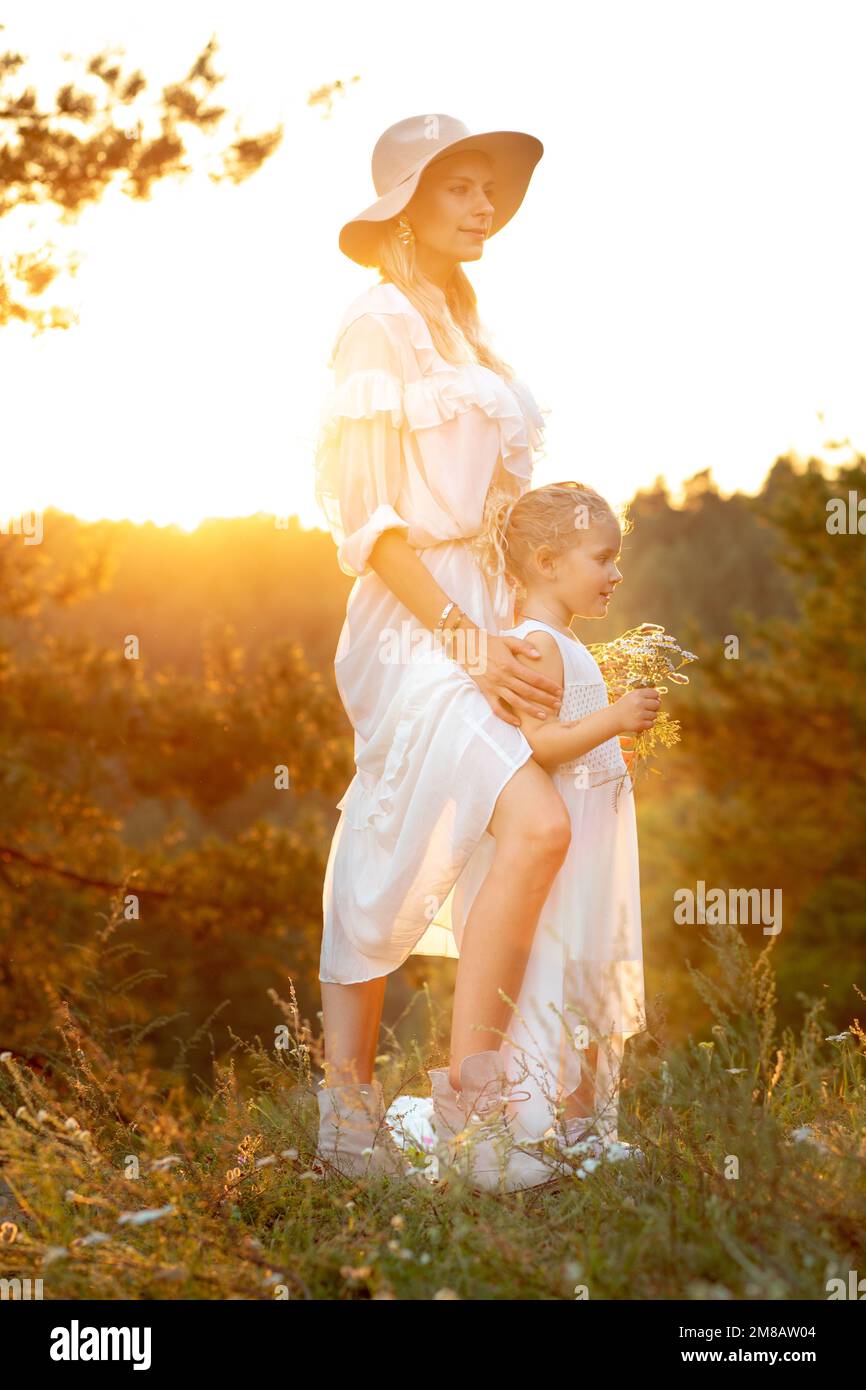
(555, 516)
(451, 314)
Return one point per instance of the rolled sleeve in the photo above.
(371, 458)
(359, 457)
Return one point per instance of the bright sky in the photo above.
(684, 286)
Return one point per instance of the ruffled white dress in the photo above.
(413, 442)
(585, 969)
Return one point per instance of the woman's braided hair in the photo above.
(554, 516)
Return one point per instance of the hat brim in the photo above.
(514, 155)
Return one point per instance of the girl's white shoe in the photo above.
(582, 1145)
(581, 1148)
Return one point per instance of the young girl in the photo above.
(583, 990)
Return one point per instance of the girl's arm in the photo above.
(561, 741)
(506, 683)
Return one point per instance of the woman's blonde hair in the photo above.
(451, 314)
(555, 516)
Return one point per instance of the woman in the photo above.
(423, 421)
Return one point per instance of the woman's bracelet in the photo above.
(444, 614)
(449, 632)
(446, 628)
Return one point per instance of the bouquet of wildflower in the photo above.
(644, 656)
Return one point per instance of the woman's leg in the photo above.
(532, 830)
(351, 1016)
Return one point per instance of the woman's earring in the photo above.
(404, 231)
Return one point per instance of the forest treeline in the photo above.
(172, 746)
(270, 578)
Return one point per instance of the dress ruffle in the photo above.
(364, 394)
(444, 390)
(434, 400)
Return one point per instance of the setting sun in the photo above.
(676, 315)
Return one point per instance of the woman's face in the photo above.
(451, 212)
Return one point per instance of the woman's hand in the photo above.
(508, 684)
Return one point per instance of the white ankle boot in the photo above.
(354, 1136)
(579, 1139)
(474, 1130)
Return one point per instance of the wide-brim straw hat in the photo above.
(406, 149)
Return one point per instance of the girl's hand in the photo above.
(637, 710)
(507, 684)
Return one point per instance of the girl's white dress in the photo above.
(584, 980)
(411, 441)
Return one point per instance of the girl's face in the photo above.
(451, 212)
(587, 574)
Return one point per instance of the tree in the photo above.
(775, 739)
(68, 156)
(88, 735)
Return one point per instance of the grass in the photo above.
(122, 1181)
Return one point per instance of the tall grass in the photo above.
(119, 1181)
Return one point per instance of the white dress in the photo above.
(586, 960)
(411, 441)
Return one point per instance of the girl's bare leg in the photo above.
(532, 830)
(351, 1016)
(582, 1101)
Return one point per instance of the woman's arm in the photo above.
(561, 741)
(506, 683)
(399, 566)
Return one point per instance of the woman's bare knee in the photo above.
(549, 836)
(531, 813)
